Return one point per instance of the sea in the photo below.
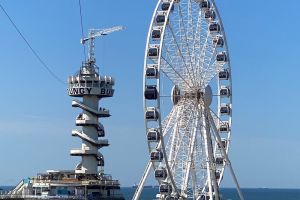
(227, 193)
(230, 194)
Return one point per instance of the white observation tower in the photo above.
(88, 84)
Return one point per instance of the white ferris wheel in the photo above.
(188, 137)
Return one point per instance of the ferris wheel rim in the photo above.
(161, 45)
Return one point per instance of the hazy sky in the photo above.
(37, 118)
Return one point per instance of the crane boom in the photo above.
(101, 32)
(93, 33)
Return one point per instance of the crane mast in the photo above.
(93, 33)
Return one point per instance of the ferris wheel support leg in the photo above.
(194, 182)
(190, 156)
(212, 181)
(228, 163)
(140, 186)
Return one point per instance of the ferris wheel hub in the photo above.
(175, 94)
(199, 95)
(207, 98)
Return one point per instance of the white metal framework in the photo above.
(187, 55)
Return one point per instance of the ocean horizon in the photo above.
(227, 193)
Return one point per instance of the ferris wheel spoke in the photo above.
(191, 148)
(167, 124)
(173, 135)
(202, 35)
(174, 56)
(181, 143)
(199, 63)
(174, 75)
(175, 141)
(200, 164)
(169, 120)
(196, 43)
(215, 116)
(168, 127)
(194, 178)
(180, 54)
(185, 40)
(207, 53)
(206, 56)
(200, 177)
(177, 161)
(210, 73)
(211, 181)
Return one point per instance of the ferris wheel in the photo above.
(188, 137)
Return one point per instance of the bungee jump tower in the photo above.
(91, 87)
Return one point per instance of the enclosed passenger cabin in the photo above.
(224, 91)
(161, 173)
(203, 197)
(225, 109)
(224, 74)
(205, 4)
(151, 92)
(210, 14)
(218, 175)
(156, 34)
(214, 27)
(165, 6)
(153, 135)
(156, 155)
(153, 51)
(218, 41)
(221, 57)
(224, 127)
(224, 144)
(165, 188)
(207, 189)
(219, 161)
(151, 114)
(151, 71)
(161, 18)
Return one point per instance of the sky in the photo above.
(37, 118)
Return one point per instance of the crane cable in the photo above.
(30, 47)
(81, 24)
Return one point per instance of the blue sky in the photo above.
(36, 114)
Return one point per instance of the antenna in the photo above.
(93, 33)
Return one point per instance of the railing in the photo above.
(93, 182)
(98, 82)
(33, 197)
(69, 197)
